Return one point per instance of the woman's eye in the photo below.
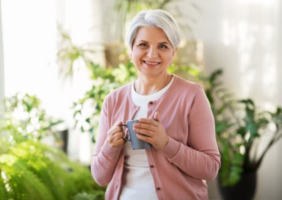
(162, 46)
(142, 44)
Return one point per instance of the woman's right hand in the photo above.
(115, 136)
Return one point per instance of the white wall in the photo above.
(31, 41)
(82, 21)
(244, 38)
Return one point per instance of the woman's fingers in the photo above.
(118, 135)
(145, 138)
(146, 132)
(146, 126)
(140, 125)
(152, 131)
(148, 121)
(115, 128)
(116, 140)
(115, 136)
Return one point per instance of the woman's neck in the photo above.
(146, 86)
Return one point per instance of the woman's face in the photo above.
(152, 52)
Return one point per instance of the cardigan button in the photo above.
(158, 188)
(151, 102)
(152, 166)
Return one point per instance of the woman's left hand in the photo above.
(152, 131)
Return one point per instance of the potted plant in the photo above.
(241, 126)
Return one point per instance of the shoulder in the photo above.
(193, 93)
(118, 93)
(186, 86)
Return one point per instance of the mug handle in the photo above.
(124, 138)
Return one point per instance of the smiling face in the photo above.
(152, 52)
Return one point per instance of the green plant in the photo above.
(69, 53)
(32, 170)
(87, 109)
(90, 196)
(240, 127)
(24, 116)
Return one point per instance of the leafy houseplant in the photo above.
(25, 117)
(32, 170)
(69, 53)
(240, 127)
(106, 80)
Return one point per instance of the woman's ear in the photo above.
(175, 50)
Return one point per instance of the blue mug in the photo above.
(135, 141)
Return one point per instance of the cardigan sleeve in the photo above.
(200, 157)
(105, 158)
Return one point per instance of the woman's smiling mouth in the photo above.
(151, 63)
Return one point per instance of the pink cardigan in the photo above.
(190, 157)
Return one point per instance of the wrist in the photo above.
(165, 143)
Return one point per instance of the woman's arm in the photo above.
(105, 157)
(200, 158)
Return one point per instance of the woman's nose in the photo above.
(152, 53)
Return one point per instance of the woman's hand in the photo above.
(153, 131)
(115, 136)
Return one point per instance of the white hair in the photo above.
(158, 18)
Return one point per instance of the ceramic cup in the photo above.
(135, 141)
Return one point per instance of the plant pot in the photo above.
(245, 189)
(64, 136)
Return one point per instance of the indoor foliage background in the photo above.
(242, 37)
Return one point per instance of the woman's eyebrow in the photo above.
(142, 41)
(165, 42)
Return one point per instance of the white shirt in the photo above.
(138, 183)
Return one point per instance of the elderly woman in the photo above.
(174, 117)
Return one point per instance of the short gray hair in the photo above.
(158, 18)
